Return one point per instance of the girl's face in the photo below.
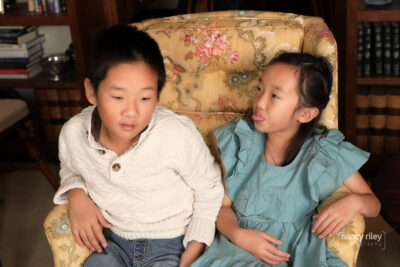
(275, 105)
(125, 99)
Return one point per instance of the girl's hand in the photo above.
(334, 217)
(193, 250)
(258, 244)
(86, 221)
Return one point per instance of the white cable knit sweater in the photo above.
(166, 185)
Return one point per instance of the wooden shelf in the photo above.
(378, 81)
(41, 81)
(389, 12)
(19, 15)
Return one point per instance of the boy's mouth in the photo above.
(127, 127)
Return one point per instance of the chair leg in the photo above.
(40, 163)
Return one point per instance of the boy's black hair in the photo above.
(314, 85)
(123, 44)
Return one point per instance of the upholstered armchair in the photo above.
(213, 62)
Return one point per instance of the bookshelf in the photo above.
(348, 14)
(82, 18)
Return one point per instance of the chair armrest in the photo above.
(346, 243)
(66, 252)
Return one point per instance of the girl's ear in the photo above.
(307, 114)
(89, 92)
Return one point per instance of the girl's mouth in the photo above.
(257, 117)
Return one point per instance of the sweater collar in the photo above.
(94, 124)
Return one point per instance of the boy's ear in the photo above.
(307, 114)
(89, 92)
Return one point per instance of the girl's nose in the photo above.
(260, 102)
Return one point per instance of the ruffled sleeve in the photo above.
(234, 144)
(339, 159)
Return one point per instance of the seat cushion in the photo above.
(11, 112)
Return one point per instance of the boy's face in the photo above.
(125, 100)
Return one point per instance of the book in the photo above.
(392, 138)
(395, 48)
(28, 75)
(15, 53)
(360, 36)
(20, 39)
(27, 45)
(74, 100)
(366, 70)
(64, 104)
(377, 119)
(55, 111)
(362, 117)
(21, 60)
(387, 46)
(377, 49)
(42, 107)
(31, 5)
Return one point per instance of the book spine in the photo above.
(360, 37)
(55, 111)
(74, 101)
(377, 119)
(387, 44)
(377, 50)
(44, 112)
(396, 48)
(31, 5)
(367, 49)
(64, 105)
(362, 117)
(392, 138)
(12, 71)
(57, 8)
(13, 53)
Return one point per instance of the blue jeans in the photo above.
(137, 253)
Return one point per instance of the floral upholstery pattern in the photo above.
(213, 62)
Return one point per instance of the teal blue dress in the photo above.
(280, 200)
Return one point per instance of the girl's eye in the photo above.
(145, 98)
(275, 96)
(117, 97)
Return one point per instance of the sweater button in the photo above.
(116, 167)
(101, 151)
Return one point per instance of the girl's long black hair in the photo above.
(314, 85)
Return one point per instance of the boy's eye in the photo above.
(275, 96)
(117, 97)
(145, 98)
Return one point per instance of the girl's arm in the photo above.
(338, 214)
(255, 242)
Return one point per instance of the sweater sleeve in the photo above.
(69, 179)
(203, 174)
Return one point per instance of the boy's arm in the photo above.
(200, 171)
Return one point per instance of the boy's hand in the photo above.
(193, 250)
(334, 217)
(259, 245)
(86, 220)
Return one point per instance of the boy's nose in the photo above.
(130, 110)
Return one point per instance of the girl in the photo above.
(279, 169)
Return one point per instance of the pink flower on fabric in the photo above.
(231, 105)
(233, 56)
(190, 39)
(203, 52)
(200, 116)
(230, 115)
(221, 100)
(175, 71)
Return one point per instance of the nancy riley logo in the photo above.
(369, 239)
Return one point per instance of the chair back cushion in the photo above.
(214, 60)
